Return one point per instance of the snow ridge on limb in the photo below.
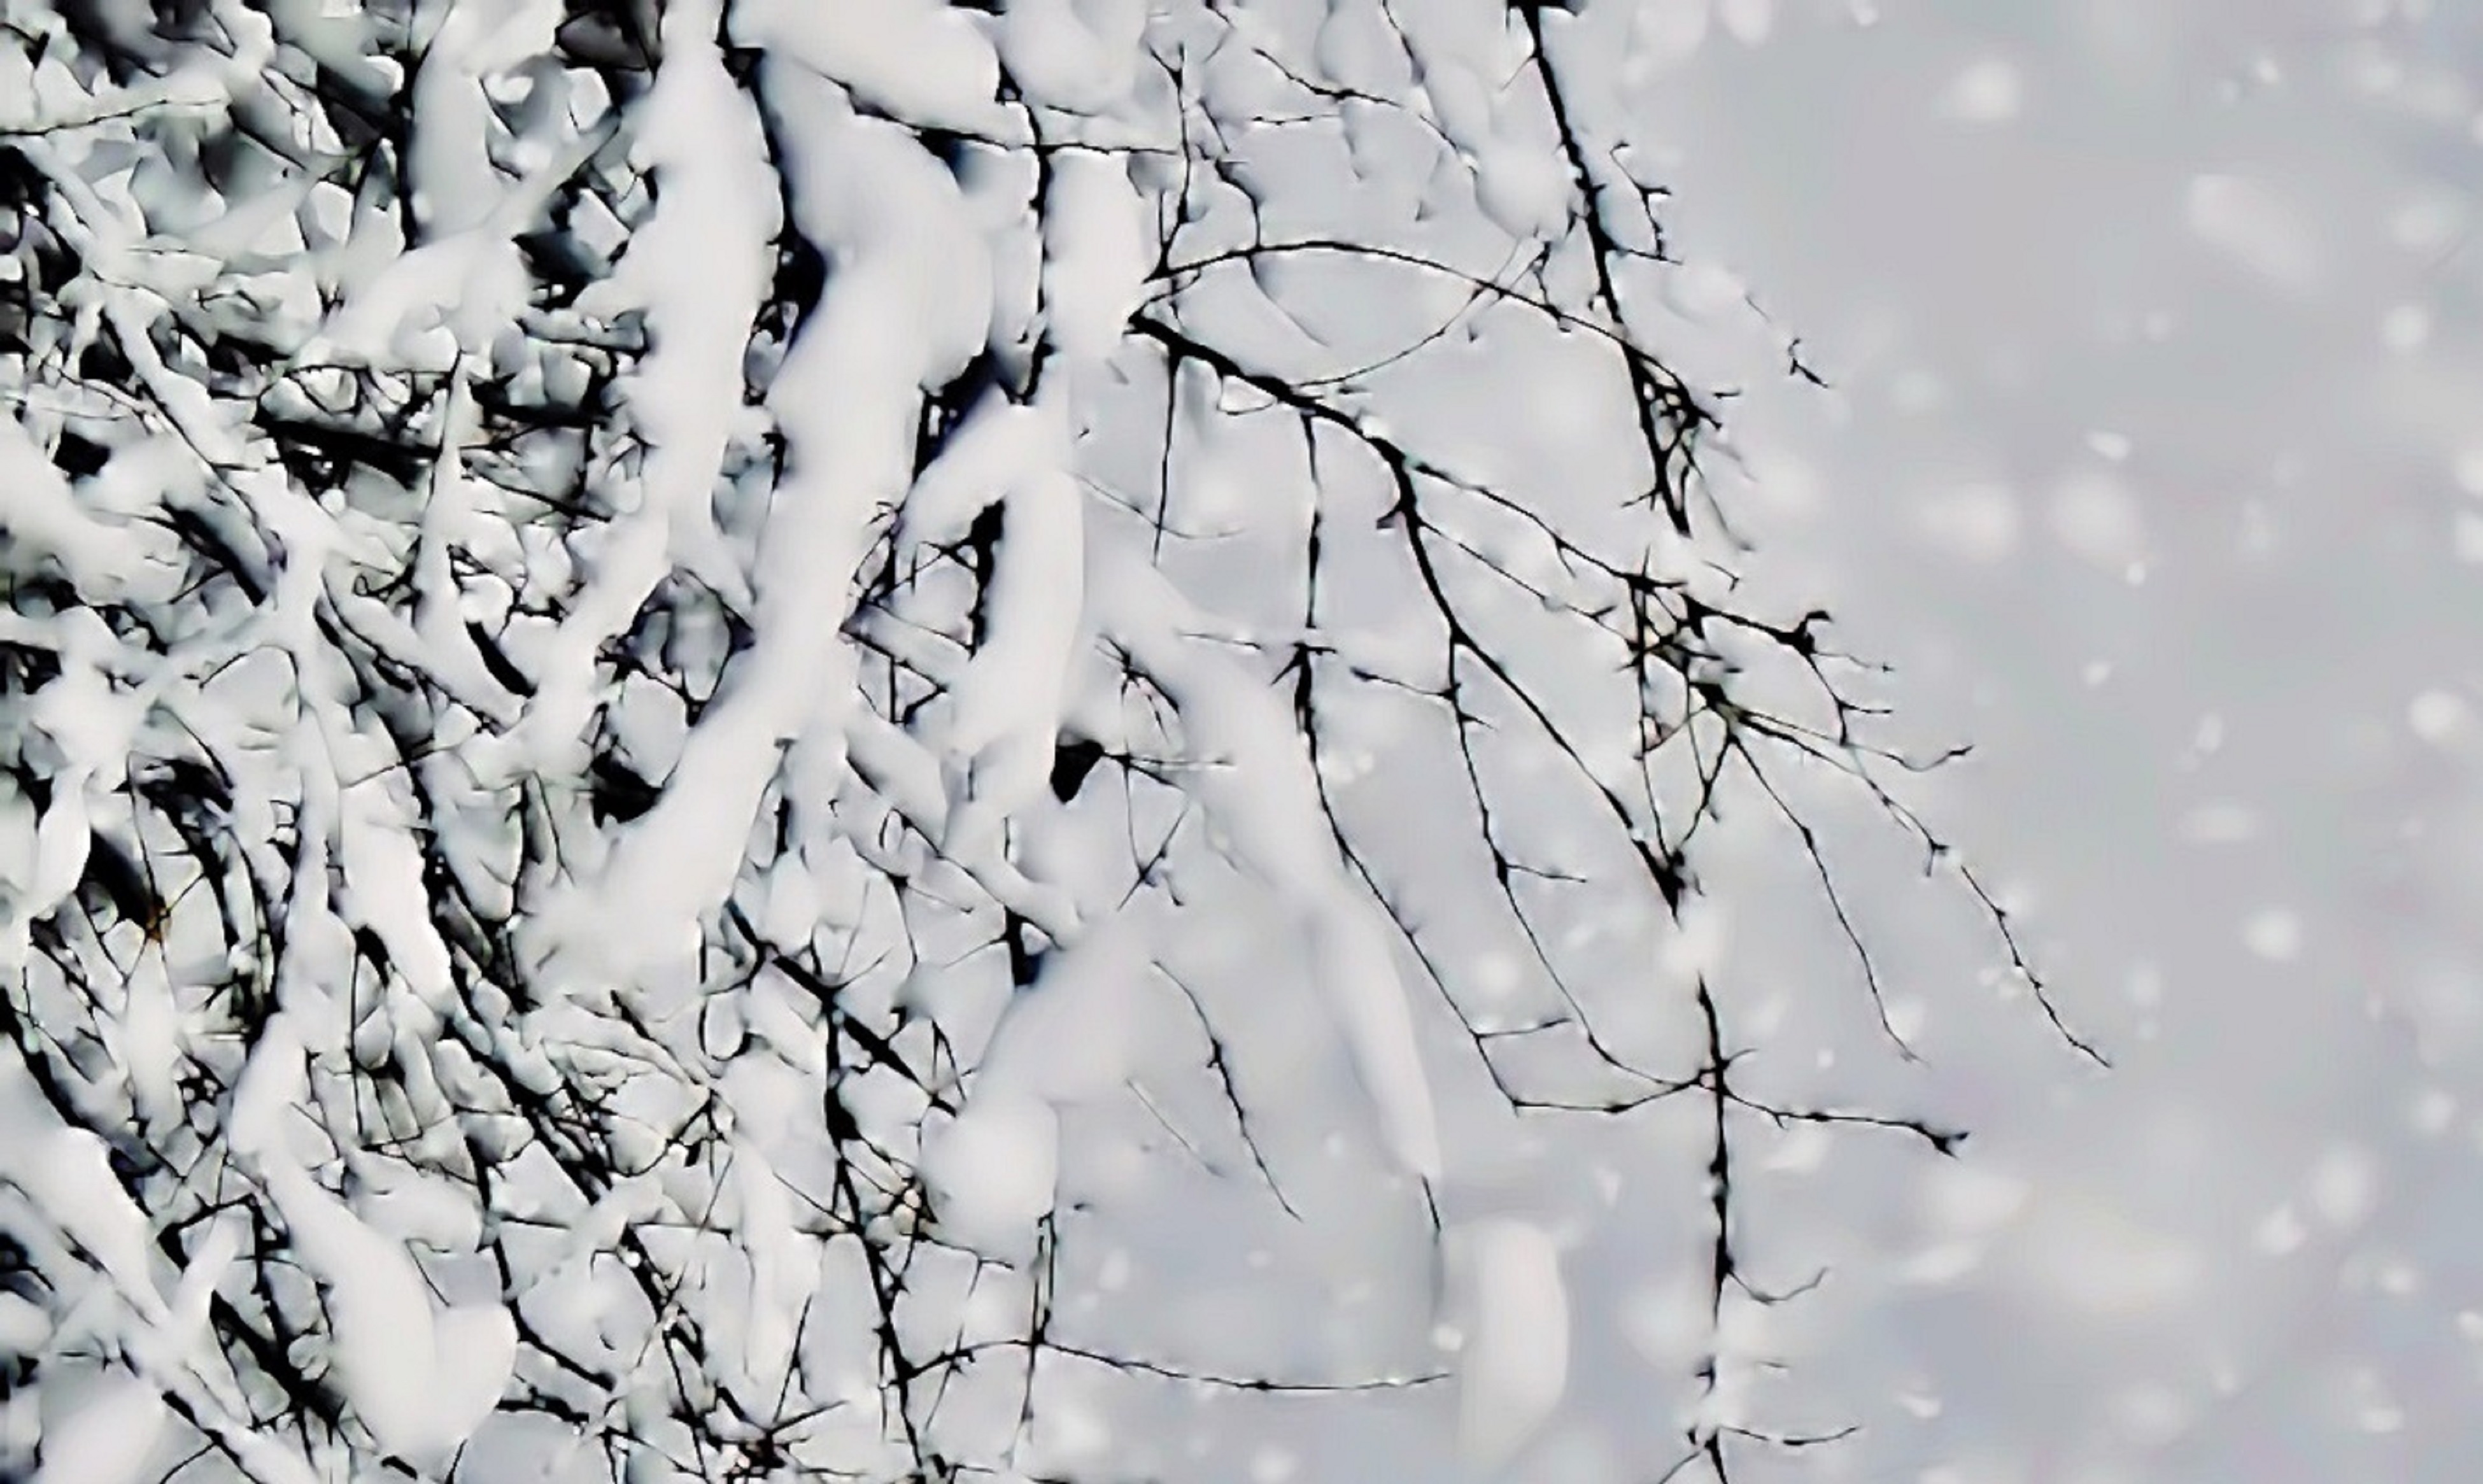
(699, 268)
(1506, 1296)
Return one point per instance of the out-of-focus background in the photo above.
(2156, 462)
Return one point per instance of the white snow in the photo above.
(2406, 328)
(420, 1380)
(1009, 699)
(2343, 1185)
(1078, 56)
(909, 304)
(1989, 90)
(476, 1354)
(781, 1273)
(1075, 1035)
(2466, 537)
(383, 886)
(67, 1175)
(2438, 717)
(2097, 515)
(2258, 227)
(111, 1440)
(1357, 968)
(701, 267)
(408, 1205)
(63, 838)
(93, 721)
(991, 1171)
(1747, 21)
(1355, 48)
(921, 60)
(998, 439)
(148, 1043)
(448, 166)
(1512, 1309)
(385, 1348)
(36, 100)
(2466, 467)
(1524, 186)
(1098, 245)
(38, 509)
(272, 1082)
(2274, 933)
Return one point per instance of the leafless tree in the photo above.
(687, 684)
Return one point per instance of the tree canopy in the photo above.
(693, 695)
